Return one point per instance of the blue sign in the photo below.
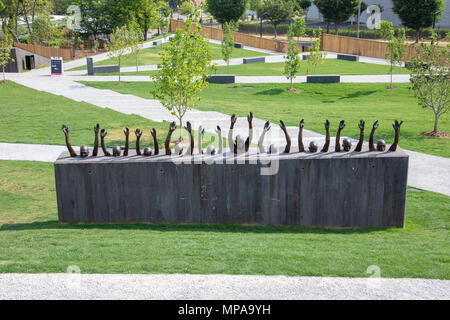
(56, 66)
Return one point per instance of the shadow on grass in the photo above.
(270, 92)
(169, 227)
(357, 94)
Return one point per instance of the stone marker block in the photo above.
(221, 78)
(348, 57)
(323, 79)
(254, 60)
(90, 66)
(239, 45)
(106, 69)
(345, 189)
(157, 42)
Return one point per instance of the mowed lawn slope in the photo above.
(31, 240)
(317, 102)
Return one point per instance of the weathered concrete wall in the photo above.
(254, 60)
(355, 189)
(19, 65)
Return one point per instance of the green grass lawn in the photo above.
(31, 240)
(317, 102)
(150, 56)
(330, 66)
(31, 116)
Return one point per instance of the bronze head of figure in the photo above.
(84, 151)
(313, 146)
(116, 151)
(346, 144)
(148, 152)
(381, 145)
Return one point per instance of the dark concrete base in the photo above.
(157, 42)
(106, 69)
(254, 60)
(221, 78)
(348, 57)
(323, 79)
(304, 57)
(354, 189)
(90, 66)
(239, 45)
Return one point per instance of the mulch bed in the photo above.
(438, 134)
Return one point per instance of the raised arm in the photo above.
(72, 152)
(103, 134)
(396, 125)
(201, 131)
(327, 136)
(155, 141)
(96, 131)
(169, 135)
(138, 133)
(250, 131)
(231, 144)
(337, 147)
(361, 136)
(188, 128)
(287, 149)
(372, 133)
(127, 141)
(301, 147)
(261, 138)
(219, 133)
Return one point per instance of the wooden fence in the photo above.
(360, 47)
(246, 39)
(67, 53)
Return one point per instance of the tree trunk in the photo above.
(137, 67)
(436, 119)
(417, 35)
(4, 76)
(328, 26)
(260, 28)
(181, 128)
(391, 75)
(119, 69)
(336, 26)
(275, 27)
(292, 78)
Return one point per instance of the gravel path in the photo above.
(186, 286)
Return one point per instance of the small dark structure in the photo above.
(100, 69)
(239, 45)
(323, 79)
(348, 57)
(221, 78)
(254, 60)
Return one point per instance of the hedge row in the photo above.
(268, 29)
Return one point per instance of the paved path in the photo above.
(202, 287)
(425, 172)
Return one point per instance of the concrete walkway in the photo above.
(222, 287)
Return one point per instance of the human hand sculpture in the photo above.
(287, 149)
(172, 128)
(138, 134)
(219, 133)
(396, 125)
(65, 129)
(337, 147)
(301, 125)
(233, 121)
(155, 140)
(127, 141)
(372, 133)
(327, 136)
(103, 134)
(96, 131)
(361, 136)
(261, 138)
(188, 128)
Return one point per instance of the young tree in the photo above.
(386, 29)
(337, 11)
(164, 12)
(184, 67)
(418, 14)
(118, 43)
(228, 42)
(95, 46)
(45, 32)
(135, 39)
(186, 9)
(397, 49)
(277, 11)
(291, 60)
(6, 43)
(315, 56)
(299, 27)
(226, 10)
(432, 83)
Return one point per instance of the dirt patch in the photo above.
(389, 88)
(120, 84)
(291, 89)
(6, 185)
(438, 134)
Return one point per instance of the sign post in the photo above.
(56, 66)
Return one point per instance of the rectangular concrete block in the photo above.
(90, 66)
(345, 189)
(254, 60)
(106, 69)
(157, 42)
(323, 79)
(348, 57)
(239, 45)
(222, 78)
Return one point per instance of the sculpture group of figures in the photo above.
(239, 145)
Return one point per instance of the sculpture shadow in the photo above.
(269, 92)
(169, 227)
(360, 93)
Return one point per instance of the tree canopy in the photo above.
(336, 11)
(277, 11)
(226, 10)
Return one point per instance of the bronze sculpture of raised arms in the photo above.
(250, 131)
(169, 135)
(396, 125)
(155, 141)
(96, 130)
(287, 149)
(201, 131)
(103, 134)
(219, 133)
(127, 141)
(337, 147)
(138, 133)
(372, 133)
(261, 138)
(361, 136)
(327, 137)
(301, 147)
(72, 152)
(231, 144)
(188, 128)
